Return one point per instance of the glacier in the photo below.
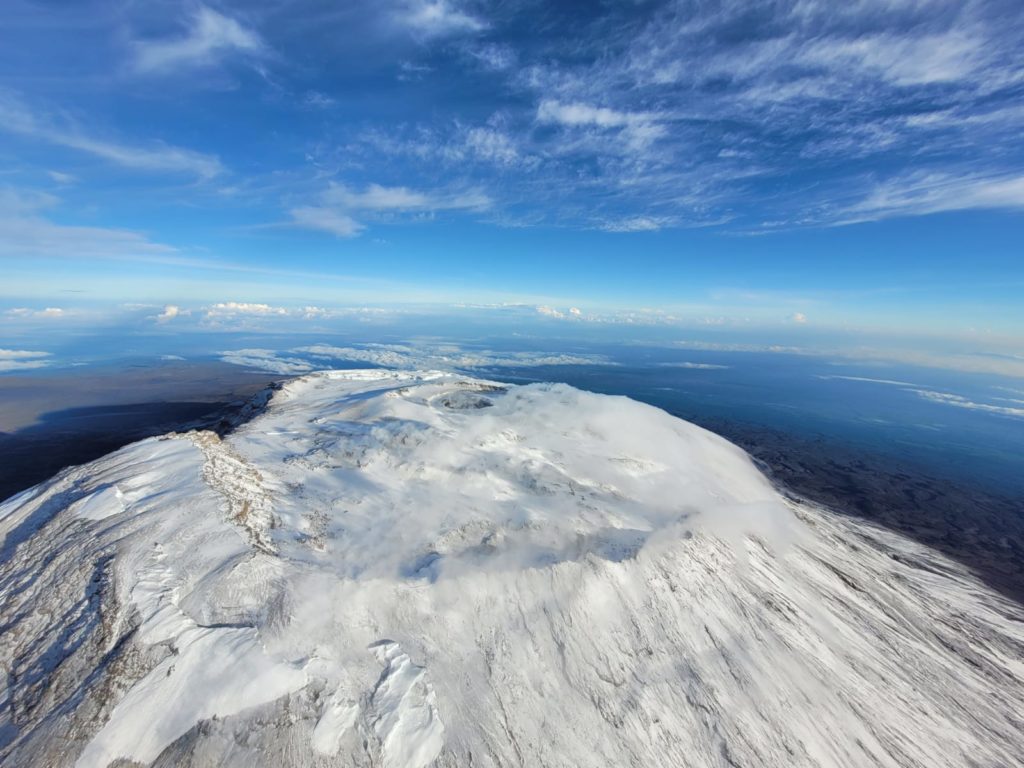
(410, 569)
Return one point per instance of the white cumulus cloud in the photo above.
(232, 308)
(550, 312)
(170, 312)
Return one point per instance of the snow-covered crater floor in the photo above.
(403, 570)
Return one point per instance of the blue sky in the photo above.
(804, 170)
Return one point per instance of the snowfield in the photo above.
(415, 569)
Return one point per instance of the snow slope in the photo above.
(402, 570)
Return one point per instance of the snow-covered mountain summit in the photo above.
(403, 570)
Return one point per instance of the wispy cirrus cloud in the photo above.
(17, 117)
(959, 401)
(457, 144)
(789, 84)
(637, 129)
(376, 197)
(432, 18)
(211, 36)
(337, 208)
(325, 219)
(921, 193)
(943, 398)
(942, 57)
(698, 113)
(491, 145)
(577, 114)
(618, 117)
(494, 56)
(25, 232)
(27, 313)
(638, 224)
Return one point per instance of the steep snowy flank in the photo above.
(406, 570)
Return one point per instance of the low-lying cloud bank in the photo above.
(944, 398)
(445, 357)
(22, 359)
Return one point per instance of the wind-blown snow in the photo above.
(403, 570)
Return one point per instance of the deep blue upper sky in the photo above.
(790, 167)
